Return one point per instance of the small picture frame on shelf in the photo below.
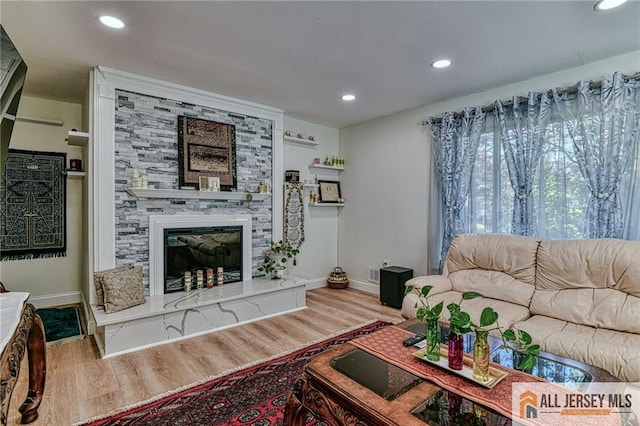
(329, 191)
(75, 165)
(214, 183)
(203, 183)
(209, 183)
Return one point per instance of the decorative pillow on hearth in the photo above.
(98, 280)
(122, 288)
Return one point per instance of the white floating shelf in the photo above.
(322, 166)
(75, 175)
(78, 138)
(194, 194)
(38, 120)
(326, 204)
(299, 141)
(311, 185)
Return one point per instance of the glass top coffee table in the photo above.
(347, 386)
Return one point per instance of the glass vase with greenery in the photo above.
(430, 315)
(519, 341)
(459, 324)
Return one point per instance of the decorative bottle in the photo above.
(456, 342)
(481, 356)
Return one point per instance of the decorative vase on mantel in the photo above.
(481, 356)
(456, 343)
(432, 349)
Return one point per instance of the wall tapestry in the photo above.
(206, 149)
(294, 215)
(33, 195)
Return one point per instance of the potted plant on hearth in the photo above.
(276, 258)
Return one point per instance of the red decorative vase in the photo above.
(455, 350)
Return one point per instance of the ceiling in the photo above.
(301, 56)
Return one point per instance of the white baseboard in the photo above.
(90, 321)
(358, 285)
(369, 287)
(52, 300)
(314, 283)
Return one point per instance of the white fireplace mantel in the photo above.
(157, 225)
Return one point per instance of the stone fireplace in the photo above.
(135, 128)
(180, 242)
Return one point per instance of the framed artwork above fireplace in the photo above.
(206, 148)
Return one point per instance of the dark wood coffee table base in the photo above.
(338, 400)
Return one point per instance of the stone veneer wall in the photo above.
(146, 138)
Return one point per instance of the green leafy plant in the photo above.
(424, 312)
(460, 322)
(521, 341)
(277, 256)
(518, 341)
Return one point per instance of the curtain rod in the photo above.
(570, 89)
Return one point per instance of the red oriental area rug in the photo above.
(255, 395)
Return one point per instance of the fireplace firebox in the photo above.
(199, 249)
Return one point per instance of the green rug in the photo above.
(61, 325)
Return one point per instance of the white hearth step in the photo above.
(175, 316)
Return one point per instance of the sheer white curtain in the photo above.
(602, 123)
(562, 193)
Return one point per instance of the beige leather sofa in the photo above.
(577, 298)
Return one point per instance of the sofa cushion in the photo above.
(617, 352)
(493, 284)
(512, 254)
(601, 308)
(593, 282)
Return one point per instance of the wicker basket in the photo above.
(338, 278)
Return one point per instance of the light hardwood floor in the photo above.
(81, 386)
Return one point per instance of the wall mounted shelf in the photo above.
(311, 185)
(322, 166)
(298, 141)
(326, 204)
(78, 138)
(194, 194)
(75, 175)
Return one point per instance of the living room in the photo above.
(387, 174)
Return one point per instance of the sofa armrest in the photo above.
(440, 283)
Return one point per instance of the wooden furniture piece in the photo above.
(349, 386)
(21, 330)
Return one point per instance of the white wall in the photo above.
(55, 280)
(388, 169)
(319, 252)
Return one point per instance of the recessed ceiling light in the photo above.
(608, 4)
(348, 97)
(441, 63)
(112, 22)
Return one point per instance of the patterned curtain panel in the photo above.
(603, 124)
(33, 205)
(522, 129)
(455, 143)
(294, 214)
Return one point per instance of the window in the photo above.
(560, 193)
